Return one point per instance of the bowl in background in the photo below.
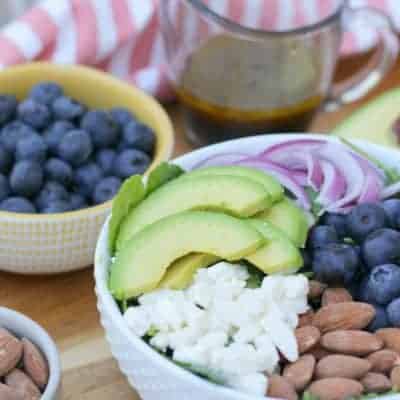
(55, 243)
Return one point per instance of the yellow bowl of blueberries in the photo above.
(69, 136)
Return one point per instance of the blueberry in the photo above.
(380, 320)
(59, 171)
(140, 137)
(381, 247)
(392, 210)
(13, 132)
(87, 177)
(322, 235)
(26, 178)
(131, 162)
(337, 221)
(8, 108)
(105, 160)
(77, 201)
(68, 109)
(32, 148)
(122, 116)
(103, 130)
(363, 293)
(383, 284)
(57, 206)
(4, 188)
(46, 92)
(75, 147)
(335, 264)
(393, 311)
(6, 160)
(55, 133)
(50, 193)
(363, 220)
(18, 205)
(35, 114)
(106, 189)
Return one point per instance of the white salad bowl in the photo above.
(151, 374)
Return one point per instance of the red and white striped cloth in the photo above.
(123, 36)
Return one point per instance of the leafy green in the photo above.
(255, 279)
(203, 372)
(164, 173)
(153, 331)
(316, 208)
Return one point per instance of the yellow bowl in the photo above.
(51, 244)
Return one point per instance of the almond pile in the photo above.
(339, 359)
(24, 372)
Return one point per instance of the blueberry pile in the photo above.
(58, 156)
(361, 251)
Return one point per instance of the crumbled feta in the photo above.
(220, 324)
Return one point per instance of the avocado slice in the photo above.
(272, 186)
(161, 175)
(234, 195)
(290, 219)
(279, 255)
(180, 274)
(142, 263)
(374, 121)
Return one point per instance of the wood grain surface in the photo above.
(65, 305)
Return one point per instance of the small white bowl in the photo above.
(151, 374)
(22, 326)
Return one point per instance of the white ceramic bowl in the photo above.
(152, 375)
(22, 326)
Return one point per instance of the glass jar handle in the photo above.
(371, 75)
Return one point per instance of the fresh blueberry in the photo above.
(322, 235)
(363, 220)
(6, 160)
(8, 108)
(26, 178)
(106, 189)
(380, 320)
(384, 283)
(393, 311)
(50, 193)
(337, 221)
(57, 206)
(65, 108)
(75, 147)
(55, 133)
(59, 171)
(46, 92)
(105, 160)
(363, 294)
(35, 114)
(139, 136)
(4, 188)
(131, 162)
(18, 205)
(392, 210)
(87, 177)
(122, 116)
(13, 132)
(77, 201)
(381, 247)
(32, 148)
(335, 264)
(102, 128)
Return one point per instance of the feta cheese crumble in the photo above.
(219, 324)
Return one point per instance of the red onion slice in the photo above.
(371, 192)
(278, 152)
(221, 159)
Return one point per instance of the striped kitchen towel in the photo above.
(123, 36)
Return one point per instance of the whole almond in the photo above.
(35, 364)
(335, 295)
(300, 373)
(23, 385)
(383, 361)
(281, 388)
(355, 343)
(319, 352)
(7, 393)
(376, 383)
(340, 366)
(10, 352)
(391, 338)
(350, 315)
(395, 378)
(307, 337)
(316, 289)
(306, 319)
(335, 389)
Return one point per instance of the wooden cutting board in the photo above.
(66, 305)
